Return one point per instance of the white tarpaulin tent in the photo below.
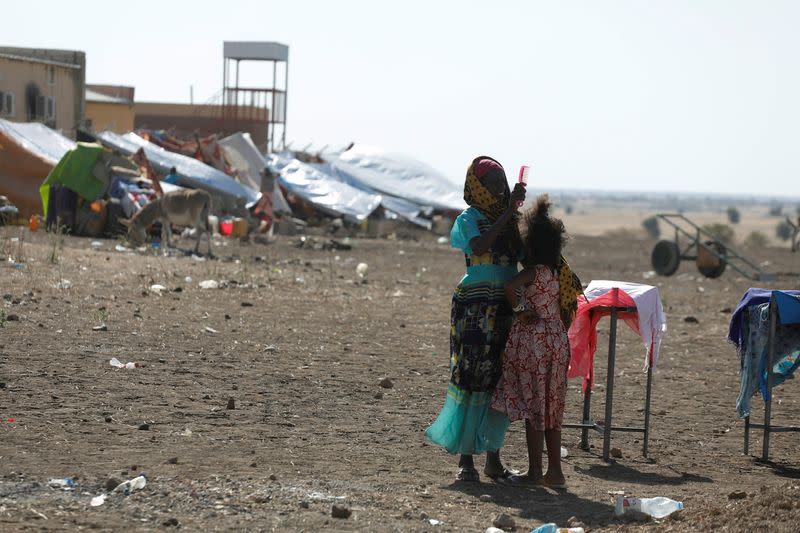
(191, 172)
(242, 154)
(399, 176)
(38, 139)
(322, 191)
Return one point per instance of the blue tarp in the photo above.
(788, 307)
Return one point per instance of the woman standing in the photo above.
(480, 319)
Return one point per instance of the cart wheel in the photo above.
(666, 258)
(709, 264)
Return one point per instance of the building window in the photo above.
(50, 108)
(7, 104)
(51, 75)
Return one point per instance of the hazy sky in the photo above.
(679, 95)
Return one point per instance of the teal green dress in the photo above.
(480, 319)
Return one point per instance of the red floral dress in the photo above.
(533, 384)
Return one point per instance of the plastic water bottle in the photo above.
(656, 507)
(65, 484)
(552, 528)
(126, 487)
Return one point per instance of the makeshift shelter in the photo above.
(28, 152)
(322, 191)
(229, 195)
(398, 176)
(242, 154)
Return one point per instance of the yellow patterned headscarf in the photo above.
(478, 196)
(569, 287)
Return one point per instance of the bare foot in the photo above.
(554, 481)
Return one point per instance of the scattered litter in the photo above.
(19, 266)
(616, 492)
(186, 433)
(116, 363)
(64, 484)
(271, 348)
(649, 274)
(96, 244)
(120, 248)
(98, 500)
(126, 487)
(188, 279)
(198, 258)
(101, 327)
(209, 284)
(434, 522)
(658, 507)
(564, 452)
(442, 240)
(552, 528)
(211, 330)
(156, 288)
(398, 293)
(361, 270)
(63, 284)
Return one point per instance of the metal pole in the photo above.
(285, 102)
(587, 400)
(746, 435)
(647, 409)
(773, 318)
(612, 341)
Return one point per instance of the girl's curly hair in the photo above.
(544, 236)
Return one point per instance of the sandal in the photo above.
(468, 473)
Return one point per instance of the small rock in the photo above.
(13, 317)
(254, 464)
(111, 483)
(172, 461)
(227, 316)
(261, 498)
(2, 385)
(485, 498)
(725, 310)
(304, 504)
(340, 511)
(504, 521)
(273, 477)
(247, 304)
(573, 521)
(108, 419)
(662, 412)
(144, 427)
(386, 383)
(616, 453)
(423, 515)
(493, 530)
(231, 404)
(737, 495)
(171, 522)
(101, 327)
(378, 395)
(691, 320)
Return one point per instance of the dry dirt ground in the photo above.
(299, 345)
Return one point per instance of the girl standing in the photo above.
(480, 318)
(534, 375)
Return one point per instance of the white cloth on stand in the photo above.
(652, 321)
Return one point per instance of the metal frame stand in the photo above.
(606, 426)
(767, 425)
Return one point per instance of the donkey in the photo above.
(189, 207)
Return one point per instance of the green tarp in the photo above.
(75, 171)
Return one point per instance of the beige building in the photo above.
(110, 107)
(43, 85)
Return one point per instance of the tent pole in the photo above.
(773, 318)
